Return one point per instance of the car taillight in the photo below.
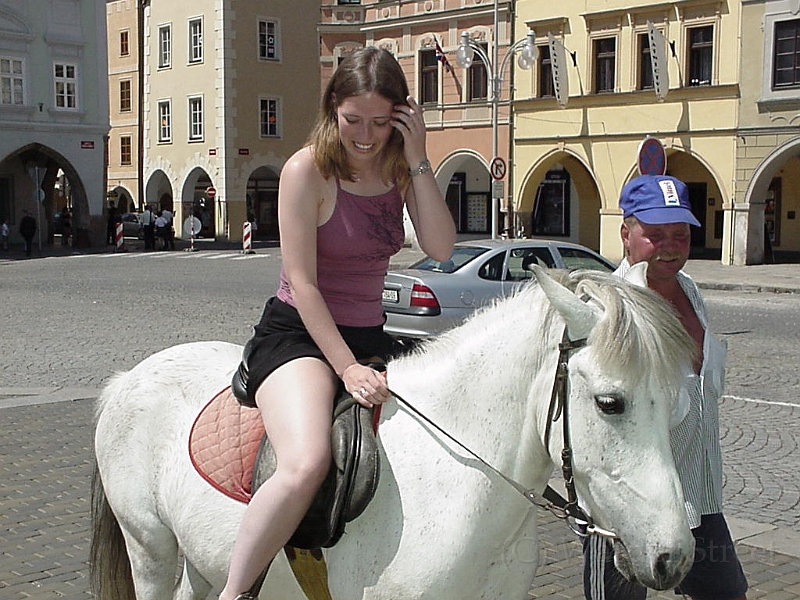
(422, 295)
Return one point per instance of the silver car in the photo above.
(431, 296)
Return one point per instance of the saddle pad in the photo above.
(223, 444)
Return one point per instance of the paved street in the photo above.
(69, 322)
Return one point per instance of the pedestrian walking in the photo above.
(27, 229)
(656, 225)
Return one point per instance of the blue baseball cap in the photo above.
(657, 200)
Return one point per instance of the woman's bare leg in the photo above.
(296, 405)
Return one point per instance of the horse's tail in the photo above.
(109, 565)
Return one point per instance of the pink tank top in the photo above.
(353, 251)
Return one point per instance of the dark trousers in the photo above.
(149, 232)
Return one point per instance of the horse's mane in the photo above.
(639, 329)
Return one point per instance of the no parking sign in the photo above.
(652, 157)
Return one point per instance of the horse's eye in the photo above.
(610, 405)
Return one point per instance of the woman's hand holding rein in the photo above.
(366, 385)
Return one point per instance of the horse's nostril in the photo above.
(662, 566)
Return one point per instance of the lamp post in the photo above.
(527, 56)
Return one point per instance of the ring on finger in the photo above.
(362, 392)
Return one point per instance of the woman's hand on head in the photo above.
(408, 120)
(366, 385)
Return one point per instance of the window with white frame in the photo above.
(478, 78)
(164, 121)
(605, 63)
(125, 150)
(268, 40)
(12, 81)
(700, 58)
(195, 118)
(546, 88)
(786, 55)
(124, 43)
(164, 46)
(125, 95)
(428, 76)
(196, 40)
(65, 79)
(269, 117)
(645, 79)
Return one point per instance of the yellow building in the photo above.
(594, 96)
(229, 94)
(767, 196)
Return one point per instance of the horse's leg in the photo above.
(192, 585)
(153, 551)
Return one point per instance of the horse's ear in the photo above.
(580, 316)
(637, 274)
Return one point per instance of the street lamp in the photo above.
(465, 54)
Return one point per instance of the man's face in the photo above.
(665, 248)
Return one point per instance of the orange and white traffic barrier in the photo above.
(247, 238)
(119, 239)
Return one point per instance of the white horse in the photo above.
(441, 524)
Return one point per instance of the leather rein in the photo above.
(563, 508)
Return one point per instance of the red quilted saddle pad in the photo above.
(223, 444)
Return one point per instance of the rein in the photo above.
(550, 500)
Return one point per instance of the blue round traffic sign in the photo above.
(652, 158)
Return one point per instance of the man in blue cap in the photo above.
(657, 217)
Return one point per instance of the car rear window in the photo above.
(461, 256)
(578, 259)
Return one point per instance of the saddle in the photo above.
(355, 467)
(351, 481)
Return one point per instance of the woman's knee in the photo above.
(305, 473)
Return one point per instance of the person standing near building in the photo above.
(169, 229)
(66, 225)
(27, 229)
(148, 221)
(340, 209)
(5, 234)
(655, 229)
(111, 225)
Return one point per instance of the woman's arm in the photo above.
(432, 221)
(300, 198)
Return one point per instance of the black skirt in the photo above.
(281, 337)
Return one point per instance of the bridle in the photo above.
(559, 408)
(567, 508)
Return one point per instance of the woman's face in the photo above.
(365, 125)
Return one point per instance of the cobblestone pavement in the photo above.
(46, 404)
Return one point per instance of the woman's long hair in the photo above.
(366, 70)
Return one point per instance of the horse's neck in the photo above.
(488, 385)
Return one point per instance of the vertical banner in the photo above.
(658, 60)
(558, 63)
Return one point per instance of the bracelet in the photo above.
(423, 167)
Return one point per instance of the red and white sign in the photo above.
(498, 168)
(211, 191)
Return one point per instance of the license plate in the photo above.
(391, 296)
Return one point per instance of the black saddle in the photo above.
(352, 479)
